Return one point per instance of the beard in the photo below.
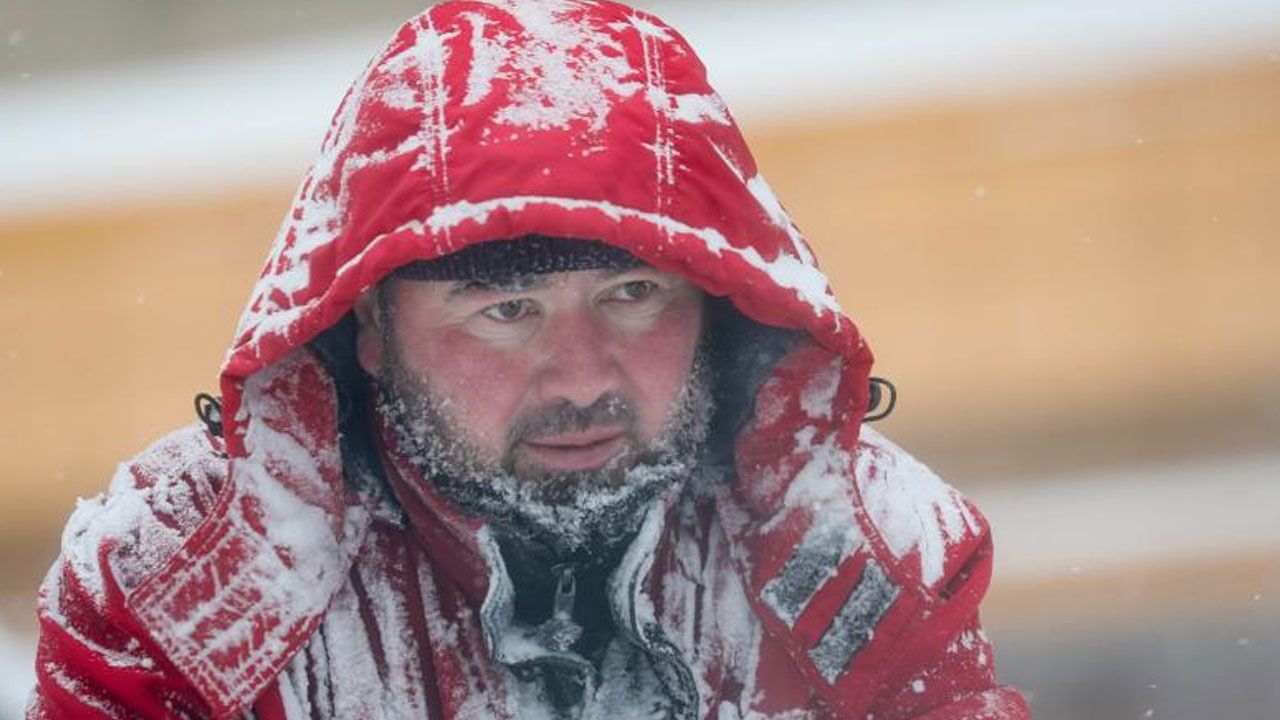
(581, 517)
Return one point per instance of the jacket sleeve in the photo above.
(943, 667)
(859, 561)
(93, 661)
(941, 664)
(871, 638)
(957, 684)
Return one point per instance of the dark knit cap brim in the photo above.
(499, 260)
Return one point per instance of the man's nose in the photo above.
(579, 359)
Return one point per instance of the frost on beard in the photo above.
(575, 515)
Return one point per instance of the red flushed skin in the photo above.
(580, 338)
(830, 577)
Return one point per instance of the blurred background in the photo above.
(1057, 222)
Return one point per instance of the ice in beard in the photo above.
(576, 516)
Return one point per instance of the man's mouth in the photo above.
(574, 451)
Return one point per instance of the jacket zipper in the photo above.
(560, 631)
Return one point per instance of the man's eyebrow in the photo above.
(624, 269)
(518, 283)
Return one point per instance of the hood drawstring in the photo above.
(209, 410)
(560, 632)
(877, 392)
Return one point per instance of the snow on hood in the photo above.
(491, 120)
(477, 121)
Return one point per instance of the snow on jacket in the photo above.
(830, 576)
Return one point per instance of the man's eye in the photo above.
(634, 290)
(509, 310)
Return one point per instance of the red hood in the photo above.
(489, 120)
(481, 121)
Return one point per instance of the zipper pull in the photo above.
(566, 592)
(560, 632)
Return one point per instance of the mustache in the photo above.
(608, 411)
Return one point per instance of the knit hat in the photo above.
(499, 260)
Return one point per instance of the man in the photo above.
(541, 408)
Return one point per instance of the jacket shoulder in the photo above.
(868, 569)
(154, 502)
(921, 518)
(93, 660)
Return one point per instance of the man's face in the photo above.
(544, 374)
(556, 405)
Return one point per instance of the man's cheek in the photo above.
(487, 403)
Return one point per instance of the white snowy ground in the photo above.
(17, 674)
(1134, 516)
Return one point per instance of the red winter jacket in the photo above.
(830, 576)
